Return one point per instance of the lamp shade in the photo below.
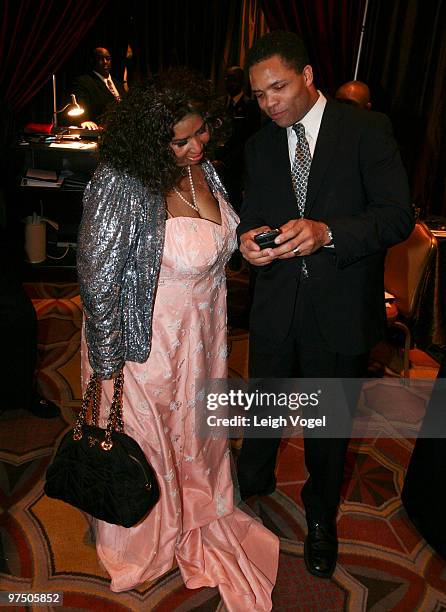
(74, 110)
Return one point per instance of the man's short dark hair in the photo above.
(286, 44)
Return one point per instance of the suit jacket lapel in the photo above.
(279, 163)
(324, 151)
(101, 84)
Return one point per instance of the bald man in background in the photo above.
(97, 90)
(355, 93)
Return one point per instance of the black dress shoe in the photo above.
(321, 549)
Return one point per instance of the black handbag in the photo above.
(103, 472)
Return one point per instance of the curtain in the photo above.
(330, 30)
(208, 36)
(248, 24)
(36, 38)
(404, 63)
(180, 32)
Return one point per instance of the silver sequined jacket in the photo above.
(120, 245)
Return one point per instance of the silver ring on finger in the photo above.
(296, 250)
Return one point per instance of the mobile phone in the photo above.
(266, 239)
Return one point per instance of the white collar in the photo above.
(312, 120)
(103, 78)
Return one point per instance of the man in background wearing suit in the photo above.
(96, 90)
(330, 177)
(244, 116)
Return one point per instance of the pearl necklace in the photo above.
(192, 204)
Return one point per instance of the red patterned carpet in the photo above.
(45, 545)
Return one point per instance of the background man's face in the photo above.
(282, 93)
(234, 82)
(102, 63)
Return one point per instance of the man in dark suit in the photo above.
(330, 177)
(97, 90)
(244, 117)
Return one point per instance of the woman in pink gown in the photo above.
(151, 264)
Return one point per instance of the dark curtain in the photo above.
(248, 24)
(36, 38)
(404, 62)
(330, 30)
(181, 32)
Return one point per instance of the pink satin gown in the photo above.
(195, 521)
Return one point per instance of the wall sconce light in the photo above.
(74, 109)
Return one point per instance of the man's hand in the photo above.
(301, 237)
(251, 250)
(89, 125)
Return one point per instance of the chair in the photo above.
(405, 274)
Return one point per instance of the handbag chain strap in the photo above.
(96, 403)
(92, 396)
(115, 422)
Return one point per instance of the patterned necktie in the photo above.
(299, 174)
(112, 89)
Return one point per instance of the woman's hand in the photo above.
(251, 250)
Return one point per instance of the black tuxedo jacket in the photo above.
(244, 117)
(93, 94)
(358, 187)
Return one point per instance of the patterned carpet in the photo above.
(46, 545)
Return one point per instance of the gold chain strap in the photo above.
(96, 404)
(92, 396)
(115, 422)
(89, 392)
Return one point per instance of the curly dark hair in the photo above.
(286, 44)
(140, 128)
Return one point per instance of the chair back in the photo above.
(406, 268)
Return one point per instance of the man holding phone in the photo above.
(330, 179)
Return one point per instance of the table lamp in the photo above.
(74, 109)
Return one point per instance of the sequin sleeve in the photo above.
(213, 180)
(113, 206)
